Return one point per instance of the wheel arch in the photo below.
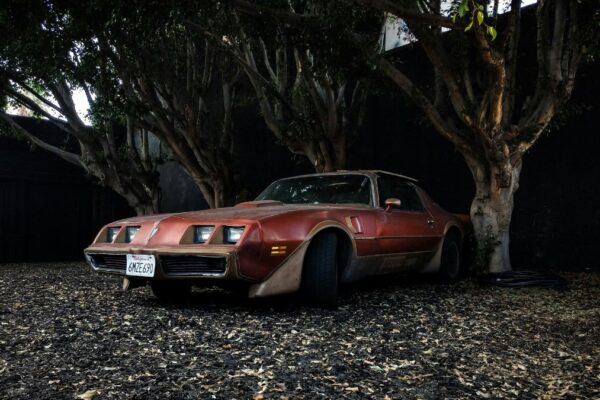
(454, 229)
(346, 246)
(286, 278)
(434, 264)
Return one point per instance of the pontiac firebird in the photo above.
(307, 234)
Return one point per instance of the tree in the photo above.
(491, 114)
(40, 69)
(168, 79)
(182, 86)
(312, 106)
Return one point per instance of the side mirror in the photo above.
(392, 203)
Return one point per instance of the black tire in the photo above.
(319, 283)
(171, 291)
(451, 263)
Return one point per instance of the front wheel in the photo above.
(319, 283)
(171, 291)
(451, 262)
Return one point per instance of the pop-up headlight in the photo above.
(202, 233)
(232, 234)
(130, 232)
(111, 233)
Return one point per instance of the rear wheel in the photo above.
(451, 262)
(171, 291)
(320, 272)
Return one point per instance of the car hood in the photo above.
(253, 211)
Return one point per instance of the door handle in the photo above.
(430, 222)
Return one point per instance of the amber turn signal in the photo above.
(278, 250)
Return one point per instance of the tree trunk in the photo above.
(221, 197)
(491, 213)
(326, 155)
(217, 192)
(145, 209)
(142, 205)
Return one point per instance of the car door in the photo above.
(405, 233)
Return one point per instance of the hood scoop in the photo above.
(259, 203)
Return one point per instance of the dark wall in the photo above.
(49, 210)
(557, 208)
(179, 193)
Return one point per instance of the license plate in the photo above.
(140, 265)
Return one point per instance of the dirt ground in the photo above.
(66, 332)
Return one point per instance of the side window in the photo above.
(393, 187)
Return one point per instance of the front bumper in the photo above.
(171, 264)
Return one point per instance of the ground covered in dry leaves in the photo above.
(65, 332)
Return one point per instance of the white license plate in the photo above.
(140, 265)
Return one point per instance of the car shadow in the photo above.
(218, 298)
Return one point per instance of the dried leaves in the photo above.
(65, 333)
(88, 395)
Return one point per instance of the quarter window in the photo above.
(392, 187)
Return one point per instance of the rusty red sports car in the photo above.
(308, 233)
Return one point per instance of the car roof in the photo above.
(379, 172)
(371, 172)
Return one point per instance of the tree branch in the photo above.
(34, 93)
(65, 155)
(511, 44)
(440, 60)
(423, 103)
(413, 15)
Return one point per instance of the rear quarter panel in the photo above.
(445, 220)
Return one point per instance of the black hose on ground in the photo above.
(523, 279)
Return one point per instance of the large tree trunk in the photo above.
(491, 213)
(145, 209)
(326, 155)
(139, 188)
(223, 193)
(143, 204)
(218, 191)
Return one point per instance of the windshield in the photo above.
(319, 189)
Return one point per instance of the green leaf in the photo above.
(492, 32)
(480, 17)
(469, 26)
(463, 8)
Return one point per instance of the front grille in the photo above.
(192, 265)
(116, 262)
